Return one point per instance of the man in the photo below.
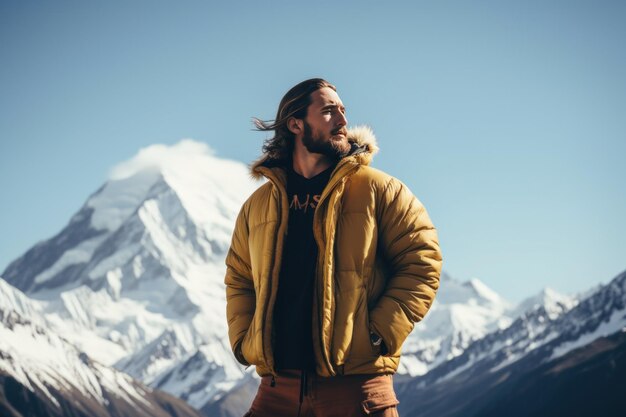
(331, 264)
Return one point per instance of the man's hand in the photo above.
(376, 340)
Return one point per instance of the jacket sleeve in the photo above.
(240, 295)
(410, 245)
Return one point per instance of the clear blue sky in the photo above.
(507, 119)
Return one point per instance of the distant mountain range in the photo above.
(126, 304)
(543, 364)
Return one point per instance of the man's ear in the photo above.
(295, 126)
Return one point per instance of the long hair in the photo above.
(294, 104)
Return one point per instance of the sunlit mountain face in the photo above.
(135, 279)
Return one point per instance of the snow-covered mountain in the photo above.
(541, 335)
(136, 277)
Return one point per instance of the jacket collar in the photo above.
(363, 147)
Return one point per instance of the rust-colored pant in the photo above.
(340, 396)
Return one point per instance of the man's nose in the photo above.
(341, 119)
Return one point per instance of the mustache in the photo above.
(342, 130)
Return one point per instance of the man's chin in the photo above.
(341, 147)
(339, 142)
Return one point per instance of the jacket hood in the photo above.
(363, 147)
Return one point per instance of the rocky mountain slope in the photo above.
(41, 374)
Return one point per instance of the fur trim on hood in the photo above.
(361, 138)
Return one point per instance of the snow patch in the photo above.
(616, 323)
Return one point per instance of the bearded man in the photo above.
(331, 264)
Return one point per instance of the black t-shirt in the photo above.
(293, 311)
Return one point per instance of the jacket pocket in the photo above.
(249, 349)
(361, 347)
(379, 350)
(383, 404)
(239, 355)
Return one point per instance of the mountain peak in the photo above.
(165, 202)
(483, 291)
(552, 301)
(160, 158)
(190, 168)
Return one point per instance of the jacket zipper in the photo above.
(277, 257)
(328, 191)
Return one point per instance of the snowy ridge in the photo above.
(39, 358)
(205, 371)
(601, 314)
(42, 374)
(545, 331)
(162, 353)
(12, 299)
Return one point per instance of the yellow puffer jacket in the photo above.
(378, 266)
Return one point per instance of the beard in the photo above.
(316, 143)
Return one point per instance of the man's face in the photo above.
(325, 129)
